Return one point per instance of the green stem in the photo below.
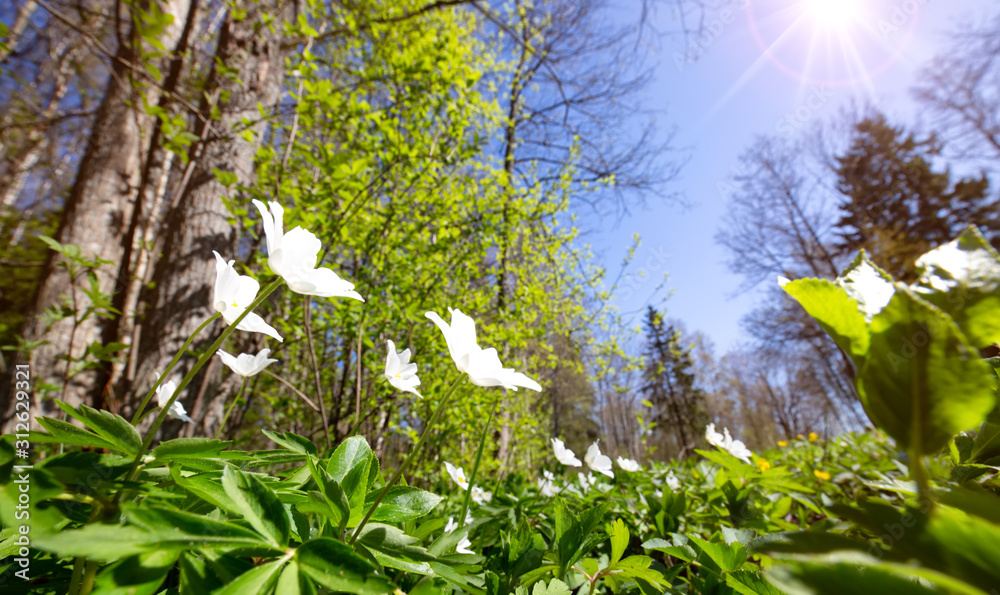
(173, 362)
(479, 455)
(88, 577)
(209, 353)
(229, 410)
(918, 473)
(406, 461)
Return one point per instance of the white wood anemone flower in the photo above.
(597, 461)
(483, 366)
(233, 293)
(163, 394)
(565, 455)
(726, 443)
(247, 365)
(463, 546)
(629, 465)
(458, 475)
(480, 496)
(672, 482)
(546, 485)
(294, 255)
(399, 371)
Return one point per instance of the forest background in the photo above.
(448, 153)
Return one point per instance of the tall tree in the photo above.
(898, 206)
(96, 213)
(670, 386)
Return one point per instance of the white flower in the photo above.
(736, 448)
(468, 517)
(714, 438)
(565, 455)
(726, 443)
(458, 475)
(629, 465)
(451, 525)
(598, 462)
(587, 481)
(247, 365)
(233, 293)
(463, 546)
(400, 372)
(163, 394)
(482, 365)
(672, 482)
(293, 256)
(479, 496)
(546, 485)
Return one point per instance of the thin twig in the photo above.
(319, 385)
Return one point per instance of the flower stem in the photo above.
(229, 410)
(173, 362)
(406, 461)
(479, 455)
(209, 353)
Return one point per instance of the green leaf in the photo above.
(728, 557)
(66, 433)
(555, 587)
(258, 504)
(136, 575)
(748, 582)
(292, 442)
(922, 383)
(963, 279)
(392, 541)
(402, 503)
(260, 579)
(835, 311)
(180, 449)
(208, 487)
(334, 565)
(619, 541)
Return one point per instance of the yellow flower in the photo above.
(782, 443)
(821, 474)
(813, 436)
(763, 465)
(799, 436)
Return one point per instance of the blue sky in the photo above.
(728, 92)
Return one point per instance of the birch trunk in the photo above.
(184, 275)
(95, 218)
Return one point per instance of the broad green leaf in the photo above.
(835, 311)
(66, 433)
(258, 504)
(392, 541)
(208, 487)
(260, 579)
(619, 541)
(293, 582)
(748, 582)
(348, 455)
(922, 383)
(680, 550)
(174, 528)
(402, 503)
(728, 557)
(136, 575)
(963, 279)
(292, 442)
(113, 428)
(555, 587)
(181, 449)
(334, 565)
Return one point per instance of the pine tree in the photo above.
(897, 205)
(669, 386)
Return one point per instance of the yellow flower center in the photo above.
(821, 474)
(782, 443)
(235, 305)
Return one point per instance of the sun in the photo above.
(832, 14)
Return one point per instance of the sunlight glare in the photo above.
(832, 14)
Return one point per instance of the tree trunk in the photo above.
(181, 297)
(95, 218)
